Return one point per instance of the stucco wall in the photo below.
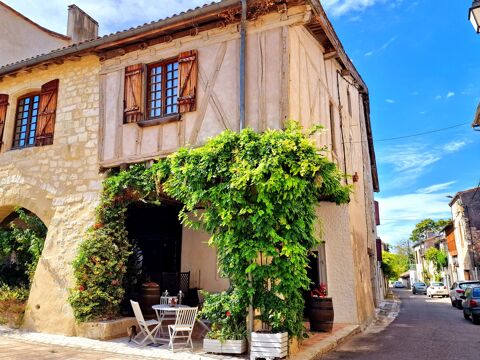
(20, 39)
(201, 261)
(315, 85)
(60, 183)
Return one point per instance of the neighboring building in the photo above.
(21, 38)
(424, 270)
(140, 94)
(465, 207)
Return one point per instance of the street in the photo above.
(424, 329)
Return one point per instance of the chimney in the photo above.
(81, 26)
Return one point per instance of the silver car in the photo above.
(458, 289)
(437, 289)
(419, 288)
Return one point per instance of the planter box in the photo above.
(226, 347)
(105, 330)
(269, 346)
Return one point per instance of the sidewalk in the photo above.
(16, 344)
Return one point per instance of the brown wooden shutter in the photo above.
(47, 108)
(3, 115)
(187, 84)
(132, 103)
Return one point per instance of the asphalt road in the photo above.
(424, 329)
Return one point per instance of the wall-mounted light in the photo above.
(474, 15)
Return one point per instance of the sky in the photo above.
(420, 62)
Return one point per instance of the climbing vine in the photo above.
(254, 193)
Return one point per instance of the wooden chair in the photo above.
(183, 327)
(144, 326)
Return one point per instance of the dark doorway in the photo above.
(156, 233)
(314, 276)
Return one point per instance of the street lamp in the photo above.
(474, 15)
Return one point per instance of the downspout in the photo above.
(243, 35)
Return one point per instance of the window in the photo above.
(26, 121)
(162, 89)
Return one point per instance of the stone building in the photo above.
(140, 94)
(465, 207)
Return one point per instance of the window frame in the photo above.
(29, 121)
(163, 64)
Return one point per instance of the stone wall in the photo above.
(60, 183)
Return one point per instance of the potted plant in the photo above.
(321, 309)
(227, 318)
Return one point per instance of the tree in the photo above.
(425, 226)
(393, 265)
(438, 258)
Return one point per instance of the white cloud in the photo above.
(435, 188)
(400, 213)
(438, 97)
(390, 101)
(370, 53)
(407, 162)
(381, 48)
(341, 7)
(111, 15)
(450, 94)
(422, 112)
(415, 93)
(454, 146)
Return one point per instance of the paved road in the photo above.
(425, 329)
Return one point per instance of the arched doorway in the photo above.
(22, 238)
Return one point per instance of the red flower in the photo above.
(97, 226)
(81, 288)
(115, 282)
(228, 313)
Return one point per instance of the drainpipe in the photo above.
(243, 35)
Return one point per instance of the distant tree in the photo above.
(394, 264)
(425, 226)
(438, 258)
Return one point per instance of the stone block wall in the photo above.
(60, 183)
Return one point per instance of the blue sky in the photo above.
(420, 62)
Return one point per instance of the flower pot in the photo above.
(225, 347)
(267, 345)
(321, 314)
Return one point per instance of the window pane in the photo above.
(26, 119)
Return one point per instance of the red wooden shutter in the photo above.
(3, 114)
(47, 108)
(132, 103)
(187, 84)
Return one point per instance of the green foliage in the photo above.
(257, 193)
(101, 265)
(438, 258)
(425, 226)
(20, 249)
(227, 313)
(394, 264)
(12, 304)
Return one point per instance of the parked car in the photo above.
(419, 288)
(471, 304)
(458, 289)
(398, 284)
(437, 289)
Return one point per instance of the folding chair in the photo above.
(165, 315)
(144, 326)
(183, 327)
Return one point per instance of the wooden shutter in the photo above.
(132, 102)
(47, 108)
(187, 84)
(3, 114)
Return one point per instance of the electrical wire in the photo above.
(416, 134)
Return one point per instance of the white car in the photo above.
(437, 289)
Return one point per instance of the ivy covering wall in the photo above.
(257, 193)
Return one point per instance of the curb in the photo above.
(326, 345)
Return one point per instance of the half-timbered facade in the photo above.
(150, 90)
